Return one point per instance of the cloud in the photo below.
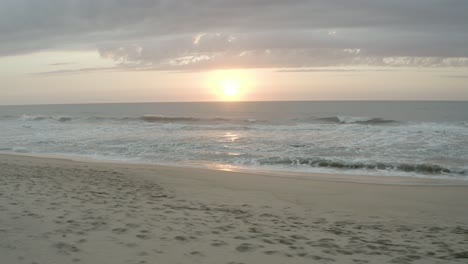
(75, 71)
(193, 35)
(456, 76)
(272, 50)
(61, 63)
(334, 70)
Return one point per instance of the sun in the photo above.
(230, 88)
(230, 85)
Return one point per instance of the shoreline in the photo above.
(282, 187)
(332, 177)
(64, 211)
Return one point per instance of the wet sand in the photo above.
(62, 211)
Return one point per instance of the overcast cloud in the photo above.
(213, 34)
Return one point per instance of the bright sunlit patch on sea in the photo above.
(223, 167)
(230, 137)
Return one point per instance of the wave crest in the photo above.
(357, 120)
(40, 118)
(161, 118)
(404, 167)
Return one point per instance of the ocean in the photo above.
(380, 138)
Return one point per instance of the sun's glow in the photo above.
(230, 85)
(230, 88)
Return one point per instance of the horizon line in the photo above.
(233, 102)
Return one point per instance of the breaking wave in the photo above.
(167, 119)
(357, 120)
(144, 118)
(160, 118)
(40, 118)
(333, 164)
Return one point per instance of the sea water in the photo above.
(421, 139)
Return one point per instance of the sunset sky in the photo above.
(84, 51)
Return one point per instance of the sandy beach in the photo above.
(63, 211)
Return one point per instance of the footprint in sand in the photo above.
(180, 238)
(119, 231)
(197, 253)
(246, 247)
(218, 243)
(143, 236)
(65, 248)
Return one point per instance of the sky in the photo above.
(87, 51)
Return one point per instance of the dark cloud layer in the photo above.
(205, 34)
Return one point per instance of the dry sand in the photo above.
(62, 211)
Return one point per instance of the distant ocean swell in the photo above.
(188, 119)
(356, 120)
(146, 118)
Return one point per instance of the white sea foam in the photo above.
(353, 119)
(25, 118)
